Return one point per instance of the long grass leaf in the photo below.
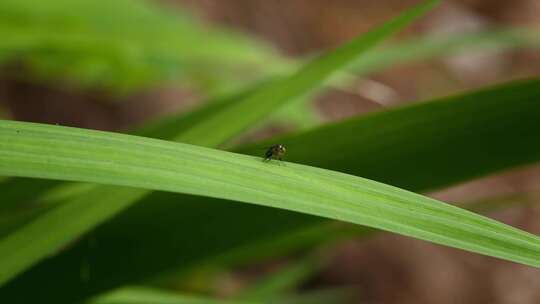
(146, 295)
(43, 151)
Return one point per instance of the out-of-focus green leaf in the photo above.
(145, 295)
(321, 296)
(437, 46)
(18, 191)
(284, 280)
(429, 145)
(19, 200)
(172, 127)
(125, 44)
(409, 51)
(308, 78)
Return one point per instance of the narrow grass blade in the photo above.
(308, 78)
(283, 281)
(174, 126)
(43, 151)
(335, 295)
(16, 192)
(146, 295)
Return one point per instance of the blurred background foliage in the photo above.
(117, 64)
(127, 45)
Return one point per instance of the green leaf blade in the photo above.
(145, 295)
(160, 165)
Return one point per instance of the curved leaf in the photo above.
(43, 151)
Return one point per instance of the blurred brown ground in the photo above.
(386, 268)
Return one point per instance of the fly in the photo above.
(275, 151)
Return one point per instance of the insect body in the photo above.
(275, 151)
